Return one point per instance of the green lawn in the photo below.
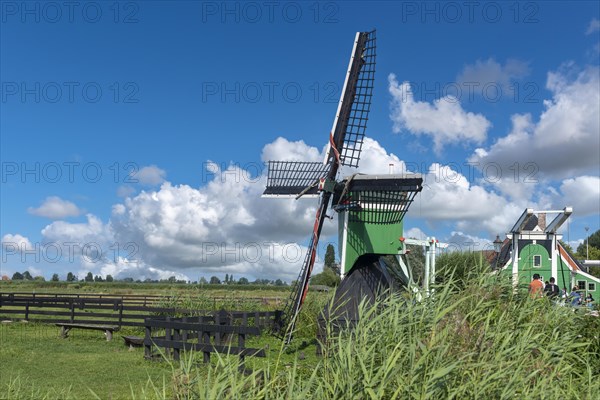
(85, 361)
(36, 363)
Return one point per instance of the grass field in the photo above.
(162, 289)
(474, 339)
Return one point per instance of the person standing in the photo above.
(575, 297)
(536, 287)
(551, 289)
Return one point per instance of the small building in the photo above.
(533, 247)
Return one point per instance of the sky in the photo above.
(134, 133)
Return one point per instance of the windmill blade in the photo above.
(294, 178)
(350, 123)
(344, 148)
(300, 288)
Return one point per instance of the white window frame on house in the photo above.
(537, 261)
(581, 285)
(591, 286)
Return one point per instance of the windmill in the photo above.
(370, 207)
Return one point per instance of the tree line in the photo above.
(89, 277)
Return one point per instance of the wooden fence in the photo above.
(136, 299)
(208, 334)
(54, 308)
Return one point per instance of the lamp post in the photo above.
(497, 248)
(587, 243)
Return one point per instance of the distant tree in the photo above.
(172, 279)
(231, 280)
(71, 277)
(98, 278)
(594, 239)
(55, 278)
(27, 276)
(39, 278)
(128, 279)
(243, 281)
(567, 247)
(329, 256)
(279, 282)
(17, 276)
(327, 278)
(226, 278)
(592, 243)
(214, 280)
(89, 277)
(202, 281)
(109, 278)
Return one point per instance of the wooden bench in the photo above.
(133, 341)
(67, 326)
(183, 335)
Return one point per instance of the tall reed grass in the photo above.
(473, 338)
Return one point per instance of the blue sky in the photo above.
(144, 125)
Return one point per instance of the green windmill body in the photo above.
(374, 223)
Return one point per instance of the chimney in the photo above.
(542, 221)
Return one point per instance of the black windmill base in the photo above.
(373, 278)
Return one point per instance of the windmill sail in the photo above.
(350, 123)
(345, 145)
(292, 178)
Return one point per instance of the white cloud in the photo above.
(375, 159)
(582, 193)
(594, 26)
(125, 191)
(284, 150)
(150, 175)
(565, 141)
(224, 227)
(15, 243)
(448, 195)
(123, 268)
(460, 241)
(444, 121)
(55, 208)
(35, 271)
(415, 233)
(490, 72)
(92, 231)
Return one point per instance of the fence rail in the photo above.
(113, 310)
(130, 299)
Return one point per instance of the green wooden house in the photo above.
(533, 247)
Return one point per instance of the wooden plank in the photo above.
(251, 330)
(87, 326)
(181, 345)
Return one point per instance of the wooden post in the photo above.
(184, 336)
(120, 314)
(206, 340)
(148, 341)
(176, 337)
(168, 336)
(27, 310)
(72, 310)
